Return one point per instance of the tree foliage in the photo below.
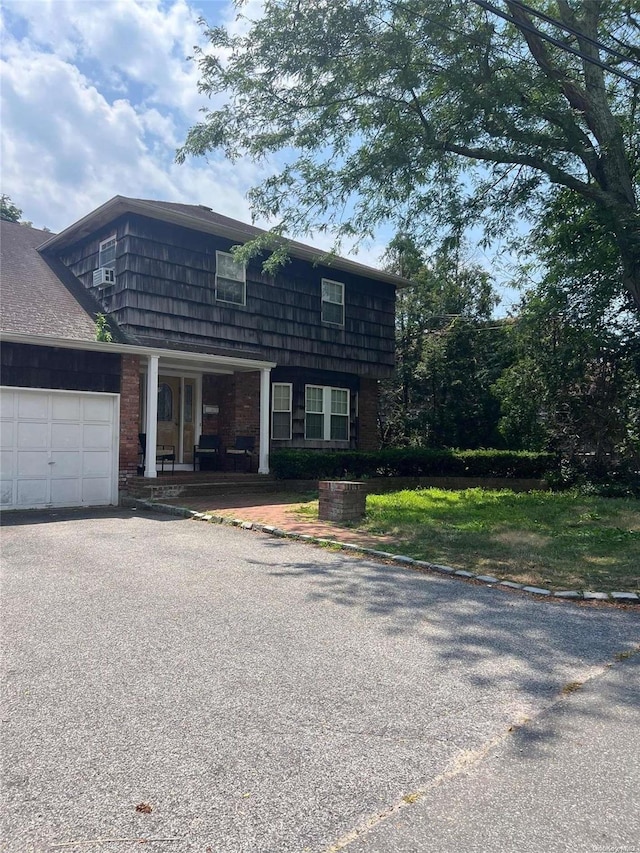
(432, 113)
(8, 210)
(563, 375)
(574, 385)
(103, 330)
(448, 352)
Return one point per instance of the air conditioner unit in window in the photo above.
(104, 275)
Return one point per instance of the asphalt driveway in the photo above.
(257, 694)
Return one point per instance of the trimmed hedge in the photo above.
(409, 462)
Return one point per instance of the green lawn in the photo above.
(558, 540)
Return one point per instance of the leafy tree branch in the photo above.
(390, 110)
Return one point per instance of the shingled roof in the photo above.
(202, 218)
(34, 300)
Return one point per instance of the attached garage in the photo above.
(60, 395)
(58, 448)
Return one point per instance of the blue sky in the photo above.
(97, 95)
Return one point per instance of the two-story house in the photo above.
(201, 346)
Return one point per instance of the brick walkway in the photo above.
(279, 510)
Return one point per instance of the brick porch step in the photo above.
(210, 483)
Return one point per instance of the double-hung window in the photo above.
(332, 302)
(326, 413)
(314, 412)
(339, 414)
(281, 411)
(106, 272)
(231, 279)
(107, 253)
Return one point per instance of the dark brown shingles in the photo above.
(33, 299)
(249, 232)
(206, 214)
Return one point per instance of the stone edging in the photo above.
(489, 580)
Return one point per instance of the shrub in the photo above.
(409, 462)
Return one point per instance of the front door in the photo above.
(176, 415)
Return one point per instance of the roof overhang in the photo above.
(236, 231)
(196, 361)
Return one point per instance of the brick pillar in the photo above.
(129, 418)
(368, 438)
(341, 501)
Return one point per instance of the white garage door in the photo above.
(58, 448)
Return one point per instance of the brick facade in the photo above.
(247, 404)
(368, 438)
(212, 396)
(238, 401)
(129, 418)
(237, 397)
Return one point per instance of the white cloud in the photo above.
(97, 96)
(138, 41)
(70, 143)
(239, 21)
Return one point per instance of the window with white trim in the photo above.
(332, 302)
(107, 253)
(231, 279)
(314, 412)
(326, 415)
(281, 411)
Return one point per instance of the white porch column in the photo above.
(265, 387)
(151, 426)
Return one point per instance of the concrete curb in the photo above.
(166, 509)
(420, 565)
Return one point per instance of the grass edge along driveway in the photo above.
(558, 540)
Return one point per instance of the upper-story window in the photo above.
(106, 272)
(231, 279)
(107, 253)
(332, 302)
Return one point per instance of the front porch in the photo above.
(184, 396)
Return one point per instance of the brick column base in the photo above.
(341, 501)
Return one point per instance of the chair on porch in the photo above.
(164, 453)
(208, 448)
(242, 449)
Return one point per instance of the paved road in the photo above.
(569, 780)
(264, 695)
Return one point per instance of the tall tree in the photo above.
(575, 382)
(448, 353)
(428, 113)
